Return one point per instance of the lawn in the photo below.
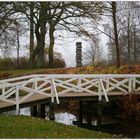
(31, 127)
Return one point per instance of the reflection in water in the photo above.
(23, 111)
(65, 118)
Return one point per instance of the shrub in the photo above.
(6, 64)
(23, 62)
(4, 75)
(10, 64)
(58, 63)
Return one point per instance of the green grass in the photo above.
(15, 73)
(30, 127)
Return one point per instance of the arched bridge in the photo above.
(25, 89)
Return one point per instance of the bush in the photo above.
(4, 75)
(6, 64)
(23, 62)
(58, 63)
(10, 64)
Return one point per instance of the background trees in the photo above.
(41, 20)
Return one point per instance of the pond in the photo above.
(61, 117)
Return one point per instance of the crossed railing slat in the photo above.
(19, 89)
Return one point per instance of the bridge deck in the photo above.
(38, 97)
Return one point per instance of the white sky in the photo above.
(68, 49)
(67, 46)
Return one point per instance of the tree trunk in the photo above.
(40, 32)
(116, 35)
(18, 47)
(31, 60)
(51, 55)
(40, 60)
(128, 39)
(135, 50)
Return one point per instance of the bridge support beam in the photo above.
(85, 110)
(80, 112)
(33, 110)
(41, 111)
(99, 114)
(51, 111)
(89, 113)
(38, 110)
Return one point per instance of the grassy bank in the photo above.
(30, 127)
(125, 69)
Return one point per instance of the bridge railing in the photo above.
(18, 90)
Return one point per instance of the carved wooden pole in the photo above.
(79, 54)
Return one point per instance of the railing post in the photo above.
(107, 84)
(99, 91)
(134, 83)
(79, 85)
(17, 100)
(54, 92)
(103, 89)
(130, 85)
(3, 89)
(35, 82)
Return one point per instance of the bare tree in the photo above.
(31, 62)
(91, 52)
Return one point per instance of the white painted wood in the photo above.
(117, 86)
(101, 85)
(134, 83)
(93, 82)
(8, 95)
(52, 91)
(103, 88)
(99, 91)
(107, 84)
(73, 87)
(17, 100)
(3, 89)
(35, 91)
(118, 81)
(79, 85)
(8, 91)
(130, 84)
(55, 91)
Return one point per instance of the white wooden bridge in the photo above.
(24, 89)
